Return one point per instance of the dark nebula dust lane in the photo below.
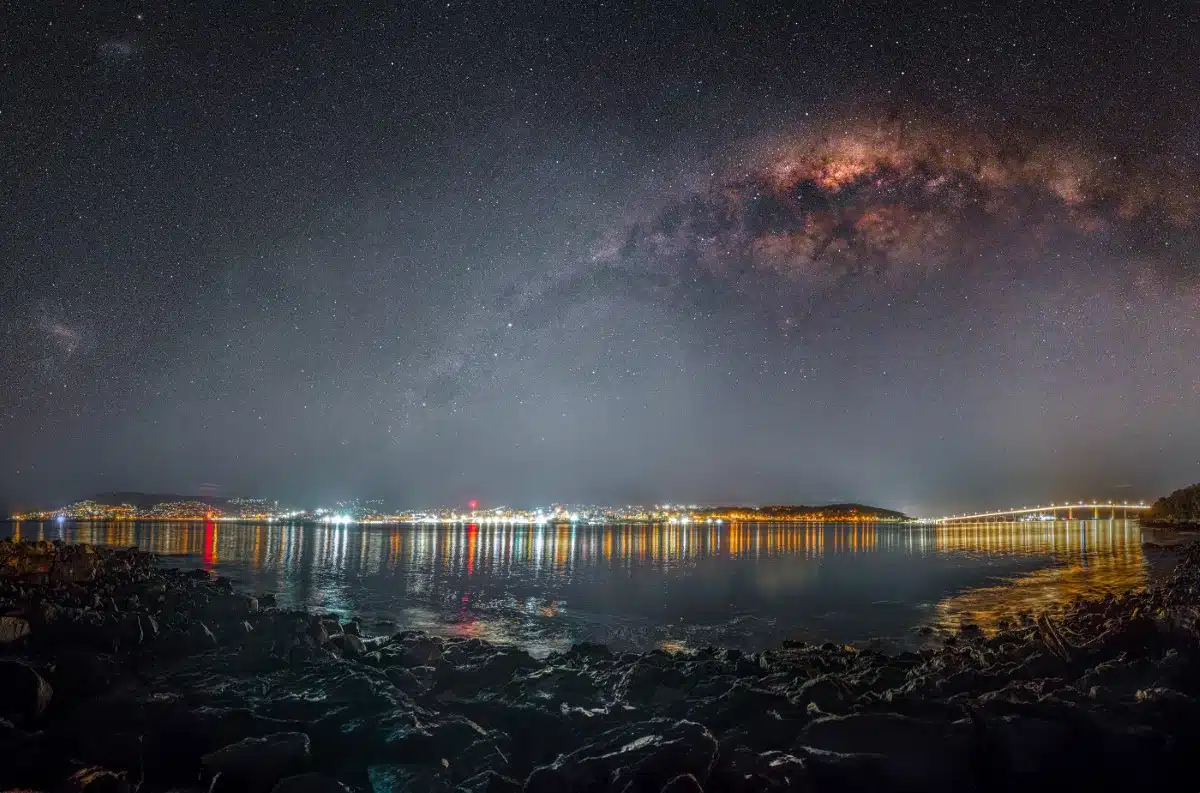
(928, 257)
(886, 200)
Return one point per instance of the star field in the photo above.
(924, 256)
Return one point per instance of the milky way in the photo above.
(888, 201)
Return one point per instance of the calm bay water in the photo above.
(748, 585)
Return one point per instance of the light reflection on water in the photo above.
(1097, 557)
(747, 585)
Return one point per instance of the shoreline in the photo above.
(130, 673)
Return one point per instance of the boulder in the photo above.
(418, 651)
(24, 694)
(684, 783)
(914, 754)
(352, 646)
(403, 679)
(651, 680)
(258, 763)
(857, 772)
(311, 782)
(318, 633)
(441, 741)
(490, 782)
(13, 629)
(80, 673)
(769, 771)
(76, 564)
(637, 758)
(827, 692)
(129, 630)
(200, 637)
(96, 780)
(399, 778)
(558, 684)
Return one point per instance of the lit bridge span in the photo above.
(1079, 511)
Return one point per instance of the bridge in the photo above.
(1065, 511)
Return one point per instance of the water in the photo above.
(637, 587)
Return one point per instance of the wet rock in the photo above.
(755, 715)
(403, 679)
(1023, 749)
(96, 780)
(258, 763)
(231, 605)
(1017, 691)
(443, 740)
(834, 771)
(352, 646)
(481, 670)
(414, 651)
(558, 684)
(13, 629)
(399, 778)
(827, 692)
(75, 564)
(772, 771)
(1037, 665)
(589, 652)
(300, 654)
(44, 614)
(82, 673)
(128, 630)
(200, 637)
(914, 754)
(490, 782)
(638, 758)
(149, 626)
(177, 738)
(24, 694)
(309, 783)
(684, 783)
(652, 679)
(319, 633)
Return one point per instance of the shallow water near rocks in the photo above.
(639, 587)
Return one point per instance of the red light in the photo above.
(210, 543)
(473, 504)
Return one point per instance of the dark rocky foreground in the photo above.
(118, 675)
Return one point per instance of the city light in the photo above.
(360, 512)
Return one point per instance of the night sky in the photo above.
(925, 256)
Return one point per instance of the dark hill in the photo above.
(1180, 508)
(145, 500)
(829, 510)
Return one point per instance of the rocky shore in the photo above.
(119, 675)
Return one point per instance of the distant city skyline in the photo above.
(355, 511)
(134, 505)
